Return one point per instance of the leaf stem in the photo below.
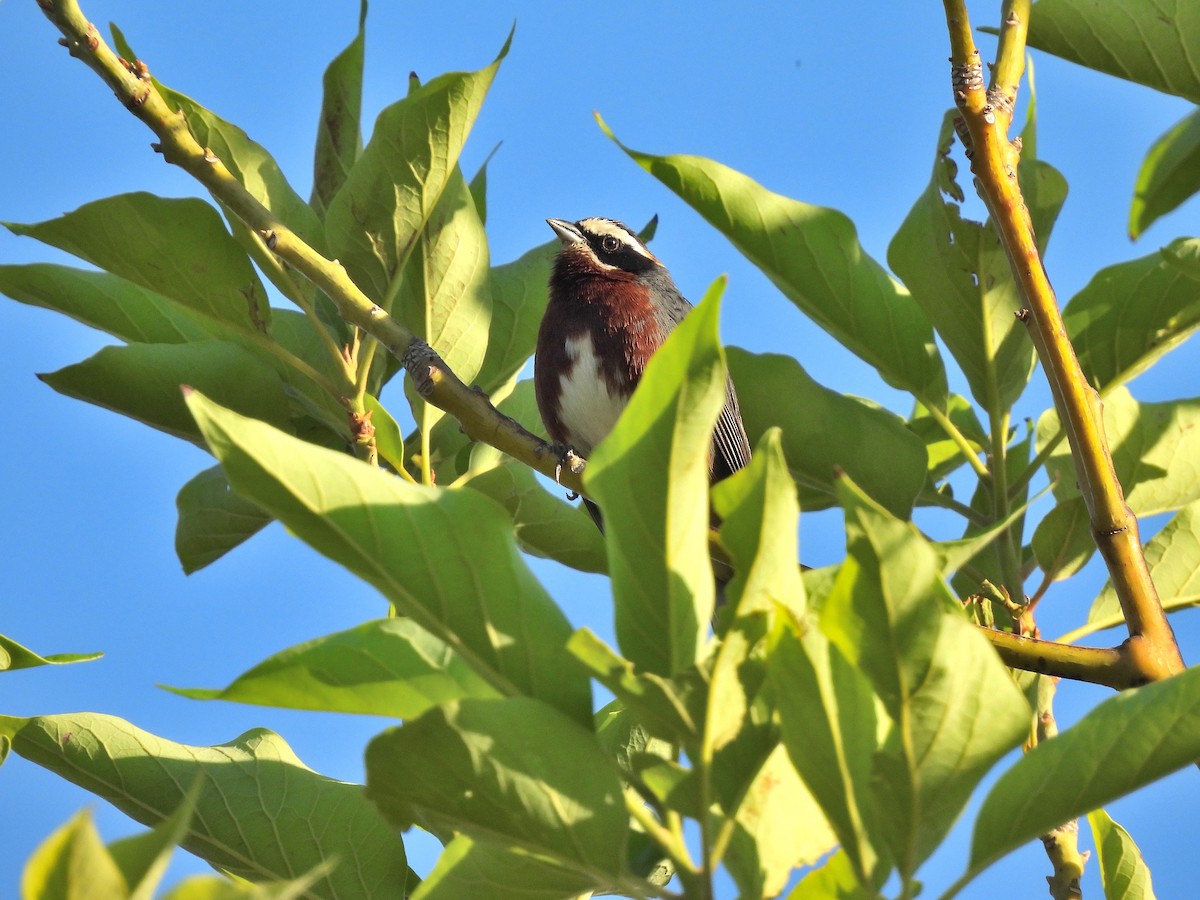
(1152, 648)
(670, 840)
(952, 431)
(283, 280)
(1010, 563)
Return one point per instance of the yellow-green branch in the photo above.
(1151, 649)
(436, 383)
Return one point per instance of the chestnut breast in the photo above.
(592, 348)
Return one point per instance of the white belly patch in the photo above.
(586, 407)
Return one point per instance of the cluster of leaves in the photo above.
(855, 706)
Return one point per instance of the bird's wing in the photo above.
(731, 447)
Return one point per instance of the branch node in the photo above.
(209, 156)
(270, 237)
(135, 101)
(421, 362)
(1023, 315)
(156, 147)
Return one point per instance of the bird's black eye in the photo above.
(610, 244)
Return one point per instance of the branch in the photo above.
(1111, 667)
(1152, 649)
(434, 381)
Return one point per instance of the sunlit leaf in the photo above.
(212, 520)
(512, 770)
(445, 558)
(261, 813)
(375, 220)
(1170, 174)
(73, 864)
(828, 717)
(1129, 315)
(1123, 744)
(1123, 872)
(339, 132)
(16, 656)
(824, 431)
(1150, 46)
(443, 295)
(954, 709)
(1173, 555)
(176, 247)
(102, 301)
(388, 667)
(478, 868)
(814, 257)
(1155, 451)
(651, 476)
(143, 381)
(958, 272)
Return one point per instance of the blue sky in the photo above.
(834, 104)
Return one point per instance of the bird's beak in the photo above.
(566, 231)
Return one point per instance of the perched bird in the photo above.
(612, 304)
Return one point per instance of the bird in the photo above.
(611, 305)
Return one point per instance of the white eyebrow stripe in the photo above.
(607, 227)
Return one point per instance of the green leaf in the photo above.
(650, 475)
(945, 456)
(339, 132)
(443, 295)
(669, 709)
(375, 220)
(388, 440)
(1062, 542)
(761, 517)
(102, 301)
(247, 161)
(72, 864)
(16, 656)
(835, 880)
(1173, 555)
(480, 868)
(514, 771)
(388, 667)
(959, 274)
(1155, 451)
(779, 827)
(1123, 872)
(986, 561)
(519, 297)
(142, 381)
(212, 520)
(478, 186)
(1123, 744)
(204, 887)
(827, 714)
(1147, 45)
(176, 247)
(824, 431)
(445, 558)
(954, 708)
(544, 524)
(814, 257)
(1129, 315)
(1170, 174)
(143, 858)
(261, 813)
